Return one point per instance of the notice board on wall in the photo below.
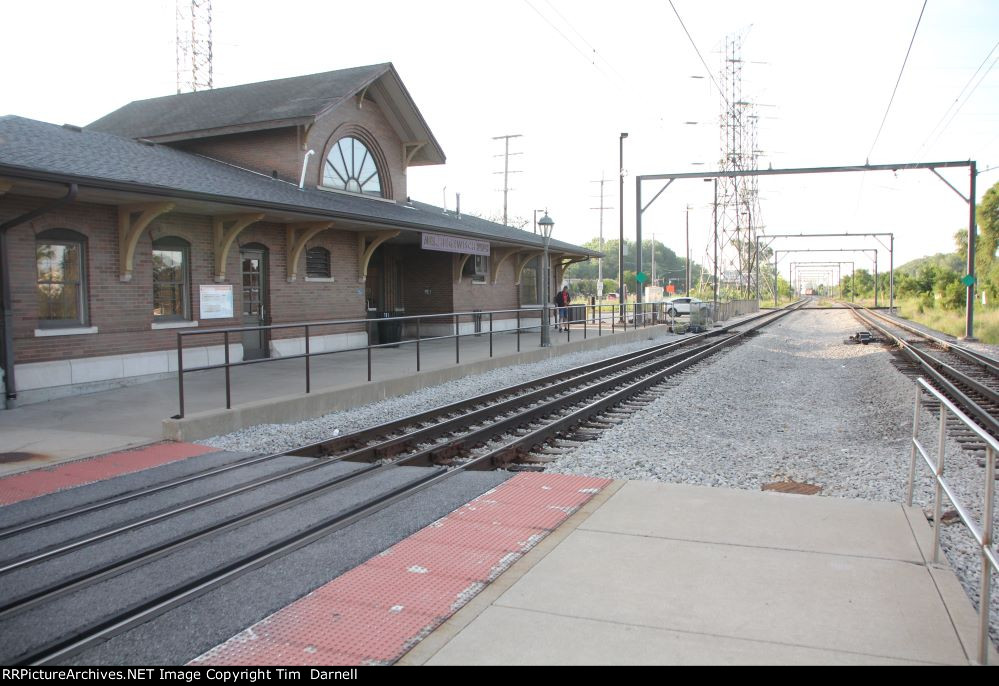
(216, 302)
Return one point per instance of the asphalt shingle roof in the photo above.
(278, 100)
(34, 149)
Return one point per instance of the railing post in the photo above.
(180, 376)
(518, 331)
(985, 590)
(600, 321)
(418, 344)
(457, 342)
(228, 387)
(938, 490)
(915, 435)
(369, 361)
(584, 322)
(308, 368)
(490, 334)
(613, 317)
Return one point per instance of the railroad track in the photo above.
(363, 472)
(968, 377)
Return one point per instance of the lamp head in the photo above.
(547, 224)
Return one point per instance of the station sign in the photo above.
(448, 243)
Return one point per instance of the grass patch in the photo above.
(952, 321)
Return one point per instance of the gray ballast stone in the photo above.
(21, 582)
(53, 503)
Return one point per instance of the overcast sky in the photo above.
(569, 76)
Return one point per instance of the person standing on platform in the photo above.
(562, 302)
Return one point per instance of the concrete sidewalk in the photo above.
(652, 573)
(55, 431)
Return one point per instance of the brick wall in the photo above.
(283, 150)
(503, 295)
(263, 151)
(123, 311)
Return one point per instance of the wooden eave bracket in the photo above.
(496, 260)
(525, 257)
(458, 266)
(224, 232)
(409, 151)
(130, 228)
(298, 235)
(365, 251)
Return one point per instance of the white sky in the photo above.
(570, 76)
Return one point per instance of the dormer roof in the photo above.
(296, 101)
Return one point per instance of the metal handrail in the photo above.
(619, 316)
(983, 534)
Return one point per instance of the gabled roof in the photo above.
(36, 150)
(299, 100)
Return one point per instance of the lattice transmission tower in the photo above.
(194, 45)
(738, 197)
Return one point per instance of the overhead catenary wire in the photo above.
(701, 57)
(596, 53)
(958, 98)
(897, 81)
(564, 37)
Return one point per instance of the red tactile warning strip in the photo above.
(376, 612)
(43, 481)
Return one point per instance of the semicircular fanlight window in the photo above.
(351, 167)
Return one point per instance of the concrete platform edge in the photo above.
(428, 647)
(306, 406)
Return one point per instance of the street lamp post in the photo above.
(546, 225)
(620, 242)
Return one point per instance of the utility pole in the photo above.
(600, 260)
(506, 169)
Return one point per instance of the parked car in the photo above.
(680, 306)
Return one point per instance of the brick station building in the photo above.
(275, 202)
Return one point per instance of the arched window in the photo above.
(61, 279)
(171, 298)
(351, 167)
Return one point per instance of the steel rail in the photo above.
(588, 412)
(930, 366)
(990, 364)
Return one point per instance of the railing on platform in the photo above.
(981, 533)
(582, 319)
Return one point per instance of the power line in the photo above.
(898, 81)
(694, 45)
(945, 114)
(582, 38)
(565, 37)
